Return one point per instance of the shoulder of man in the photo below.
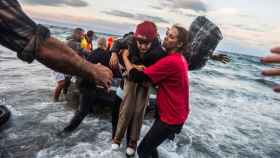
(121, 43)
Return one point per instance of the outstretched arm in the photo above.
(269, 59)
(272, 58)
(57, 56)
(32, 41)
(223, 58)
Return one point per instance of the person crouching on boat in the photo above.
(90, 94)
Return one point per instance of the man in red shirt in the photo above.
(171, 75)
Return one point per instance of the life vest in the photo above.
(85, 44)
(110, 42)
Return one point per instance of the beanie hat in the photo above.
(147, 30)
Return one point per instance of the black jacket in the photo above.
(103, 57)
(99, 56)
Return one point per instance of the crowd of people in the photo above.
(140, 58)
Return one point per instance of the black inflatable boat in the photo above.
(4, 114)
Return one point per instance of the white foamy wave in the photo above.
(14, 111)
(81, 150)
(56, 117)
(234, 113)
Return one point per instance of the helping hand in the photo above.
(270, 59)
(103, 76)
(221, 57)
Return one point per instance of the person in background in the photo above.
(271, 59)
(110, 41)
(75, 39)
(64, 81)
(33, 41)
(73, 42)
(171, 75)
(86, 42)
(102, 55)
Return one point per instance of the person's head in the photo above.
(177, 39)
(145, 34)
(90, 35)
(78, 33)
(102, 43)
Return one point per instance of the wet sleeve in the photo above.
(18, 32)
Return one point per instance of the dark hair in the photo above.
(128, 34)
(90, 33)
(184, 37)
(77, 30)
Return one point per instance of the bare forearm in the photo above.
(57, 56)
(126, 61)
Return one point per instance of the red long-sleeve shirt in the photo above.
(171, 75)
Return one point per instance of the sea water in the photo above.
(234, 114)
